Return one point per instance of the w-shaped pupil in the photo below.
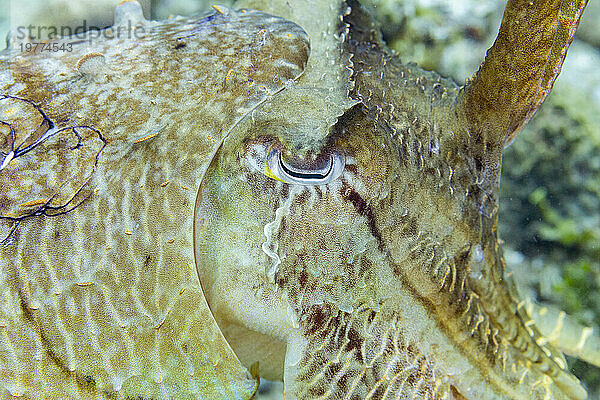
(309, 176)
(307, 173)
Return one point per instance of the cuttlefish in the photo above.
(189, 205)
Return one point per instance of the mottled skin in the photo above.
(100, 292)
(151, 248)
(389, 281)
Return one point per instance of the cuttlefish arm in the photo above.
(521, 67)
(565, 332)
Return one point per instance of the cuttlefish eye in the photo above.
(322, 173)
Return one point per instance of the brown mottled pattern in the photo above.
(100, 294)
(387, 282)
(441, 247)
(363, 355)
(141, 174)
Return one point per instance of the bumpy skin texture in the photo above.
(138, 177)
(388, 282)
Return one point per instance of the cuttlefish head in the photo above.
(367, 262)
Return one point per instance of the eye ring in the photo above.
(307, 177)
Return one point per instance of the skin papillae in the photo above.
(151, 250)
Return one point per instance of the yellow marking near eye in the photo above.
(83, 284)
(147, 137)
(33, 203)
(270, 174)
(128, 232)
(165, 183)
